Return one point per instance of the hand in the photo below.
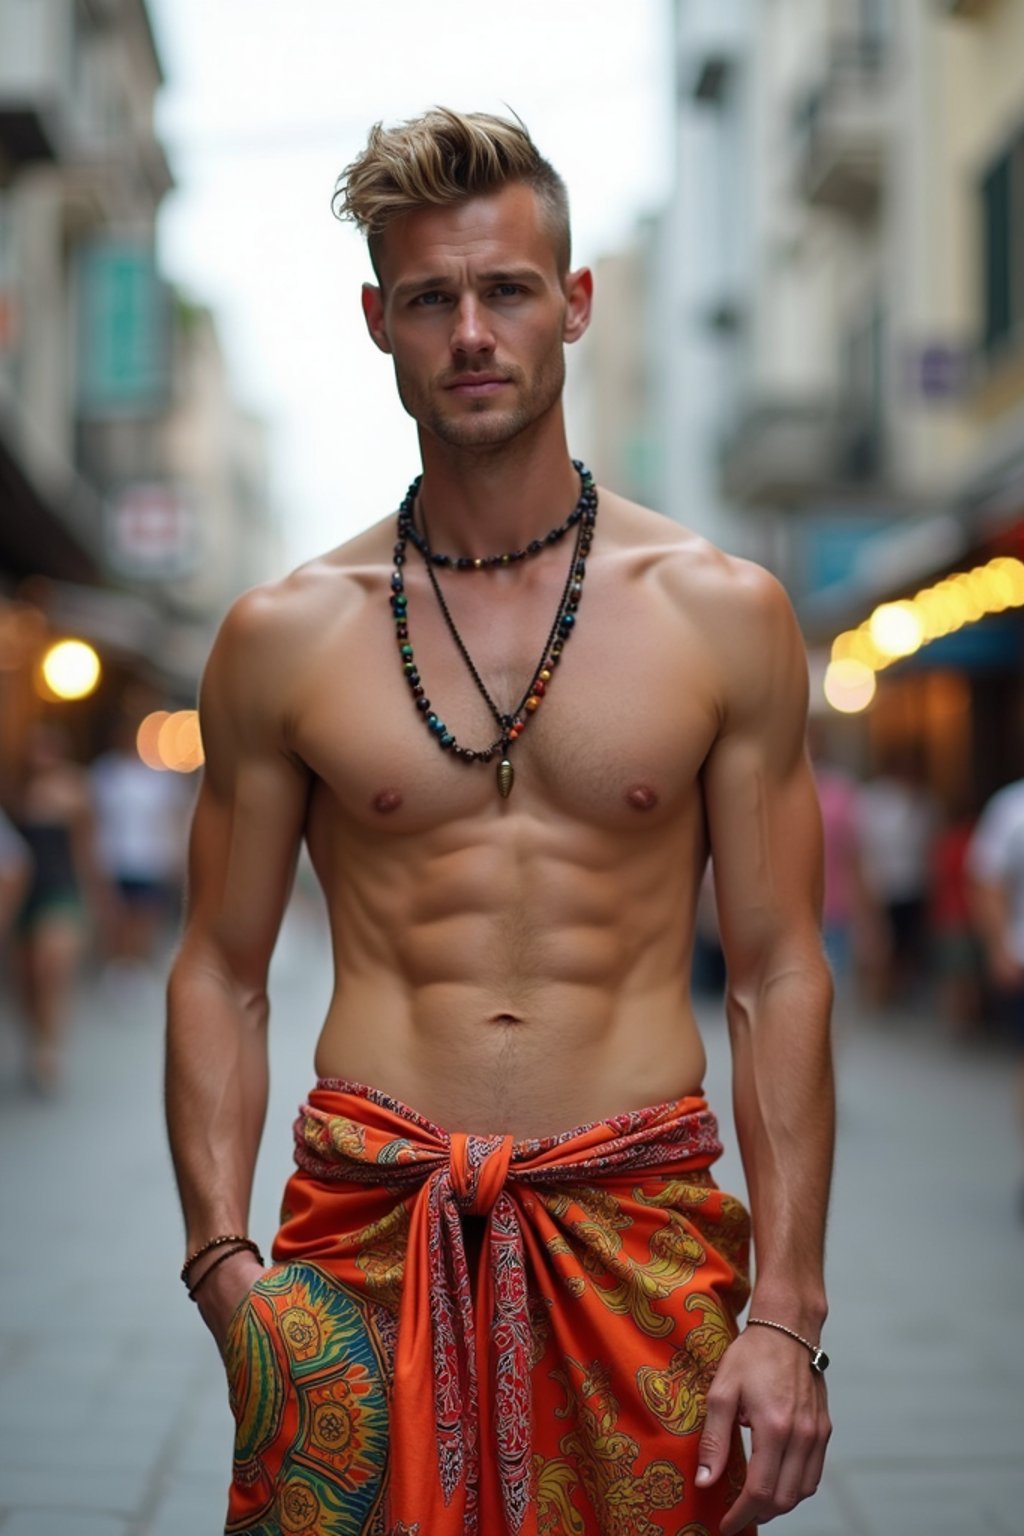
(765, 1382)
(225, 1290)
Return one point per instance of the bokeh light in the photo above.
(179, 742)
(850, 685)
(71, 669)
(147, 739)
(897, 629)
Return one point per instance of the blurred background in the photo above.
(806, 221)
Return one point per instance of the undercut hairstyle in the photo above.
(439, 160)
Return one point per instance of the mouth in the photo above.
(476, 385)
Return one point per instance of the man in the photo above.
(502, 1308)
(995, 867)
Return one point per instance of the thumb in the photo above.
(713, 1451)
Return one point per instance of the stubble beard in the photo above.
(485, 425)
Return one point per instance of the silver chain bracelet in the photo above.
(819, 1360)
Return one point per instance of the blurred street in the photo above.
(113, 1413)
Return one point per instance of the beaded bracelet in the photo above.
(215, 1242)
(229, 1253)
(819, 1361)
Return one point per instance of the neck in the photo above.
(484, 501)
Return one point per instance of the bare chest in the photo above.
(617, 739)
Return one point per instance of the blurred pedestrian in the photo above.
(53, 813)
(898, 821)
(995, 864)
(851, 928)
(15, 872)
(956, 960)
(141, 814)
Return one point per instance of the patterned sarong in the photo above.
(379, 1390)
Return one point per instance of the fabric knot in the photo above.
(479, 1167)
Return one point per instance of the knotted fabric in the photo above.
(605, 1248)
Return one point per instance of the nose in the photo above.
(479, 1167)
(471, 331)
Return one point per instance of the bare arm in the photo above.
(765, 835)
(990, 913)
(246, 833)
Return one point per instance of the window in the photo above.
(1002, 212)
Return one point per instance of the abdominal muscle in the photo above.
(516, 979)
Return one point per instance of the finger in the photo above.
(792, 1479)
(802, 1462)
(716, 1440)
(816, 1459)
(739, 1516)
(756, 1497)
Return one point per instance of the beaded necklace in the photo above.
(510, 725)
(486, 562)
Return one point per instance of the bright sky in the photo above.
(264, 105)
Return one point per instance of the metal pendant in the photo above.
(506, 778)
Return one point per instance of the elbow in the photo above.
(795, 981)
(204, 976)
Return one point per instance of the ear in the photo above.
(579, 297)
(373, 314)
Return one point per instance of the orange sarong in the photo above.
(380, 1389)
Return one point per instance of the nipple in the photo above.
(388, 800)
(641, 797)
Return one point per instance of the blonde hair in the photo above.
(444, 158)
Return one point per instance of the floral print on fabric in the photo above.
(558, 1387)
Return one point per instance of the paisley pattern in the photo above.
(307, 1381)
(382, 1388)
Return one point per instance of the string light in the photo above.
(894, 631)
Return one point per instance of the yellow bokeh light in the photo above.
(896, 628)
(843, 645)
(849, 685)
(147, 739)
(179, 743)
(934, 611)
(71, 669)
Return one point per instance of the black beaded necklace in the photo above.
(511, 725)
(486, 562)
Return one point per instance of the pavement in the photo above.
(113, 1408)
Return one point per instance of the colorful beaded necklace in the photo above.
(512, 725)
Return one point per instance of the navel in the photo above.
(388, 800)
(641, 797)
(505, 1018)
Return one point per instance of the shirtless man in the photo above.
(510, 962)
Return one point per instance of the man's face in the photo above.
(475, 313)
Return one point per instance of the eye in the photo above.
(508, 290)
(430, 300)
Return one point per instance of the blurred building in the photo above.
(841, 294)
(133, 491)
(612, 391)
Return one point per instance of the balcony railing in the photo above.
(35, 79)
(841, 131)
(786, 453)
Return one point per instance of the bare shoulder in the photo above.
(335, 583)
(271, 634)
(727, 592)
(740, 613)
